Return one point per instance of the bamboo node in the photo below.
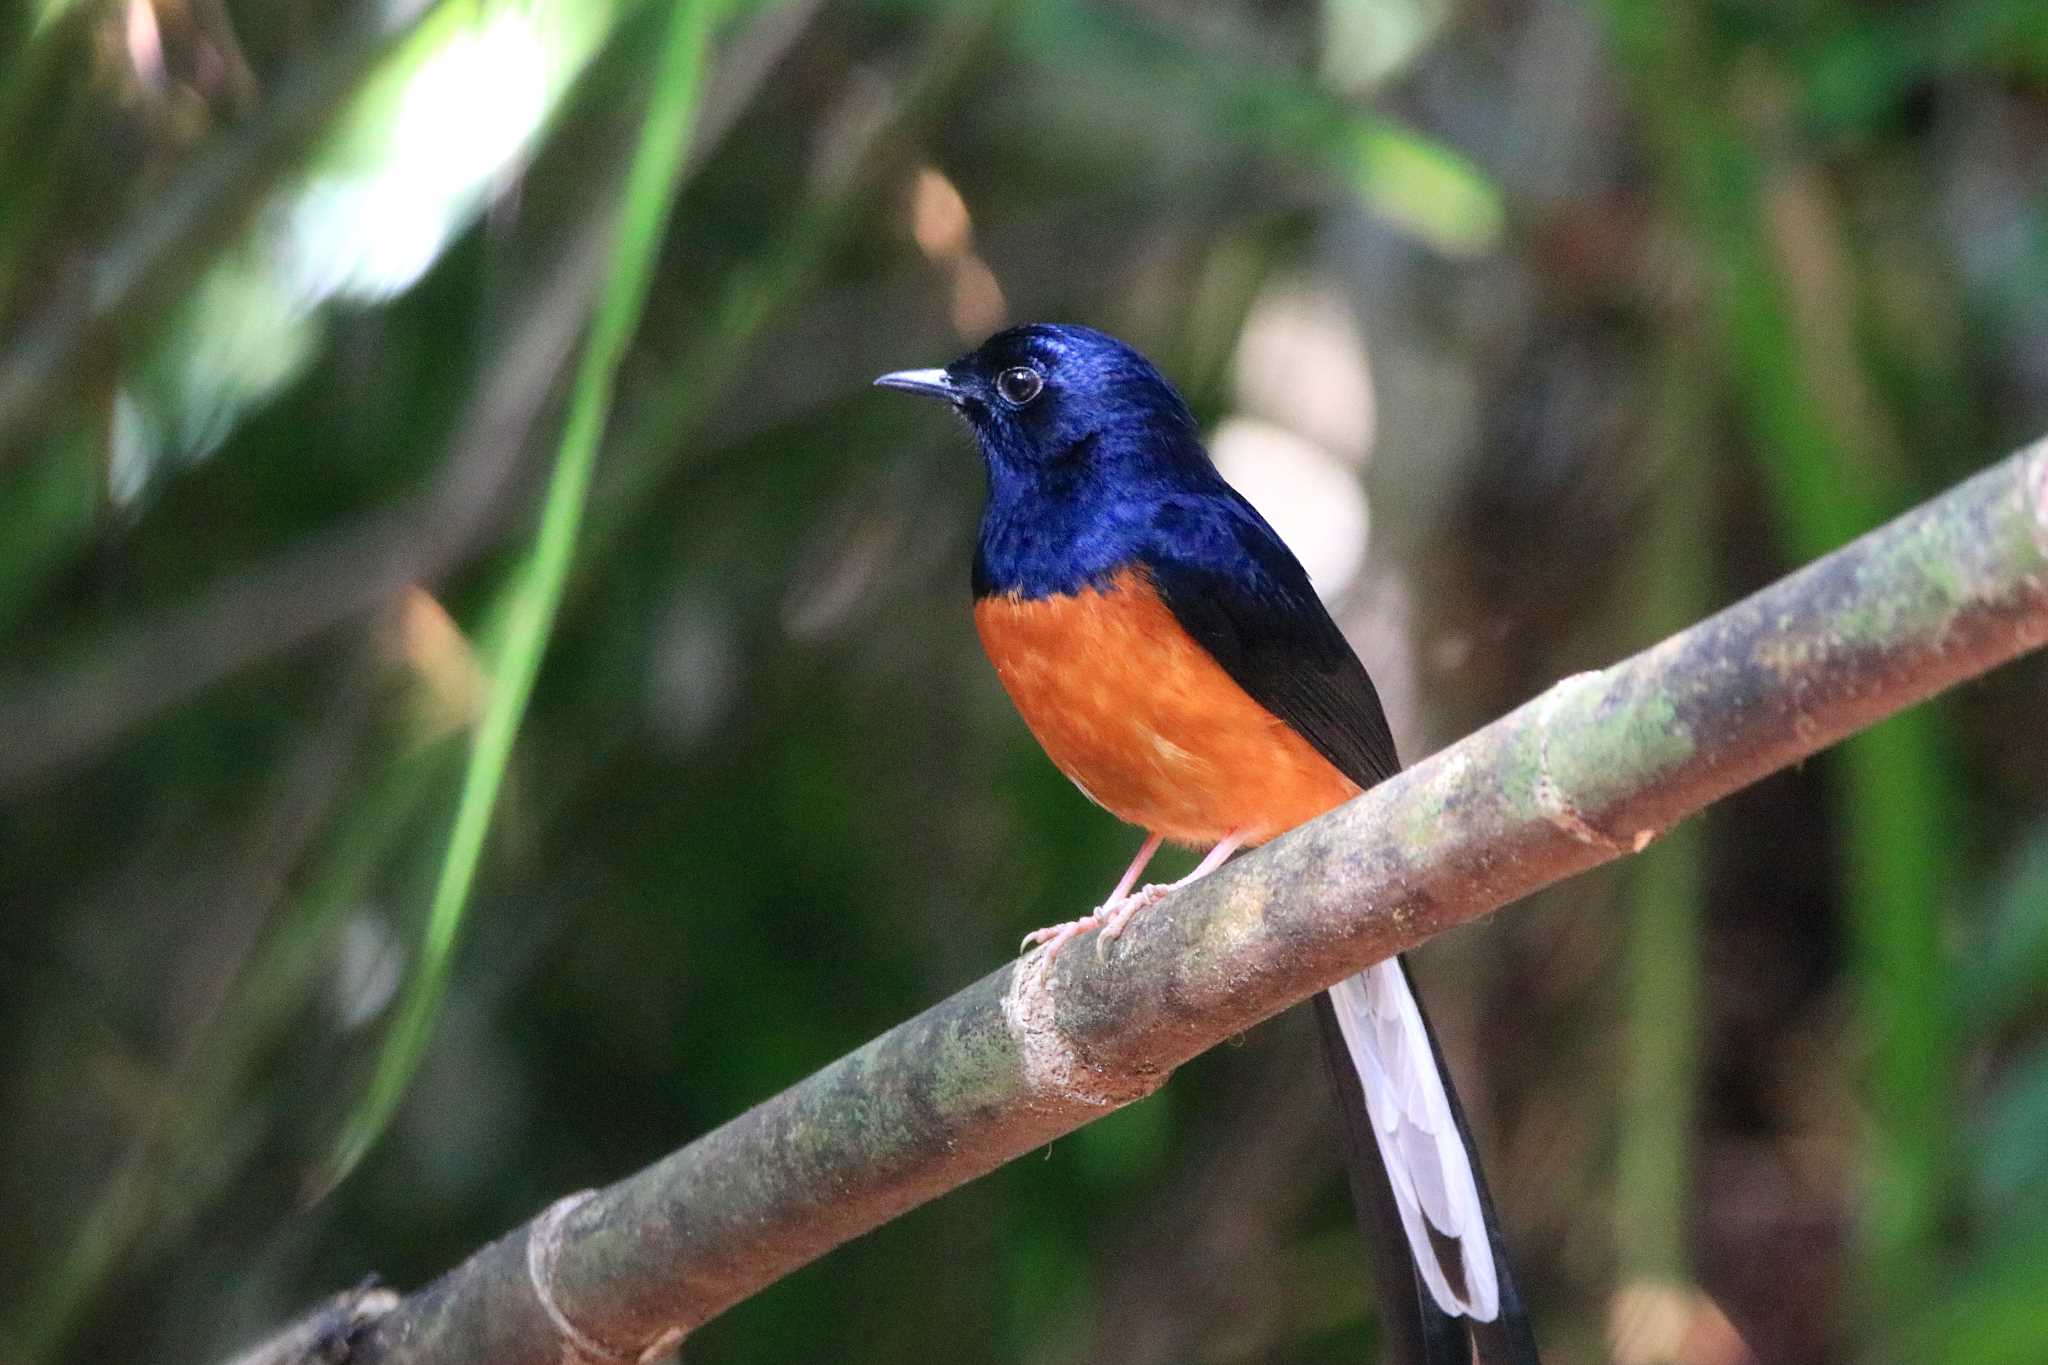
(2034, 489)
(543, 1247)
(1052, 1065)
(1551, 797)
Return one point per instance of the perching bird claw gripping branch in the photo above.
(1593, 768)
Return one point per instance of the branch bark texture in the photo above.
(1594, 768)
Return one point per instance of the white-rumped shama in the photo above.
(1167, 650)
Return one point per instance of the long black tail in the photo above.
(1417, 1330)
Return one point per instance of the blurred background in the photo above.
(1540, 327)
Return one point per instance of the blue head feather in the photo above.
(1081, 471)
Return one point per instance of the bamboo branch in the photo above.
(1594, 768)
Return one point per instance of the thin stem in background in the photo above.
(647, 453)
(1897, 801)
(1660, 1082)
(535, 590)
(186, 1114)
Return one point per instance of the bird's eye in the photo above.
(1019, 384)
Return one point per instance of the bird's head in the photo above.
(1050, 400)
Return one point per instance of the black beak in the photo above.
(930, 383)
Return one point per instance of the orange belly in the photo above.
(1145, 722)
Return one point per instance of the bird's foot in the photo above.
(1054, 937)
(1118, 913)
(1110, 917)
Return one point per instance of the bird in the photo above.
(1169, 654)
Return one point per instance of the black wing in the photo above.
(1237, 589)
(1243, 596)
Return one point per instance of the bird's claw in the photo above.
(1110, 918)
(1117, 914)
(1054, 937)
(1071, 929)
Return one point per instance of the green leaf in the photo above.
(535, 590)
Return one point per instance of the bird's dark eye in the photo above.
(1019, 384)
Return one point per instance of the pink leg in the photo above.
(1136, 869)
(1117, 916)
(1057, 936)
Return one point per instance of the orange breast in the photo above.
(1145, 722)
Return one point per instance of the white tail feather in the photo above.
(1411, 1117)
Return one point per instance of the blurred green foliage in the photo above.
(1642, 305)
